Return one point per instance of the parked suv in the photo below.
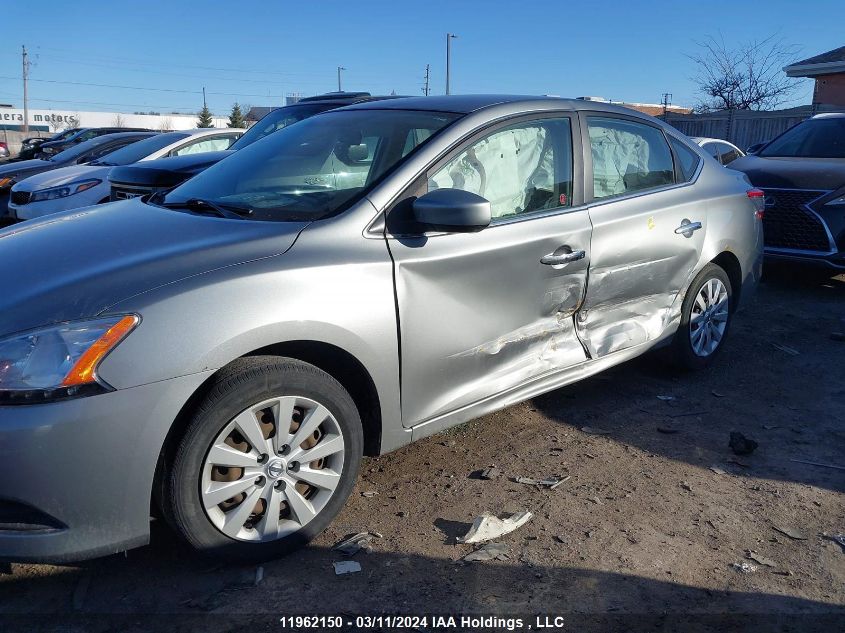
(12, 173)
(51, 148)
(139, 180)
(802, 173)
(369, 276)
(31, 145)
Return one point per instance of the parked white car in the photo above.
(85, 185)
(722, 151)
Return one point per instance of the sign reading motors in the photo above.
(52, 117)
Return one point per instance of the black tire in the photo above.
(683, 353)
(245, 382)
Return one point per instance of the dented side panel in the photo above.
(640, 267)
(479, 314)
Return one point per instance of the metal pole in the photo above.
(427, 77)
(449, 37)
(339, 68)
(25, 96)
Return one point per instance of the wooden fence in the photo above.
(744, 128)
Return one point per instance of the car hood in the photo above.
(62, 176)
(34, 166)
(793, 173)
(166, 172)
(74, 265)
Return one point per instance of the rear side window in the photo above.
(688, 160)
(628, 157)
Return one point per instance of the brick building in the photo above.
(828, 69)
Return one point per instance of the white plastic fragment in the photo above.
(342, 567)
(353, 544)
(488, 527)
(745, 568)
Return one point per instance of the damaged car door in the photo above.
(486, 311)
(648, 234)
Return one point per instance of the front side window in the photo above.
(816, 138)
(279, 119)
(313, 169)
(141, 148)
(523, 168)
(627, 157)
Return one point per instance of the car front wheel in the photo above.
(267, 461)
(705, 318)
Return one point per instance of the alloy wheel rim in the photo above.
(272, 469)
(709, 317)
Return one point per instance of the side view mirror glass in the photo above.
(754, 148)
(452, 210)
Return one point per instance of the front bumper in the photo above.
(84, 471)
(833, 261)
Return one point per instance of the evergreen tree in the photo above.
(236, 118)
(205, 119)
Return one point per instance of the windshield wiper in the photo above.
(229, 211)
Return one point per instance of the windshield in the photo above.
(278, 119)
(75, 151)
(315, 168)
(815, 138)
(141, 149)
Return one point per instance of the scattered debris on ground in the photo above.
(369, 494)
(742, 445)
(745, 568)
(342, 567)
(353, 544)
(718, 470)
(793, 533)
(836, 538)
(549, 482)
(488, 527)
(490, 473)
(490, 551)
(788, 350)
(666, 398)
(759, 558)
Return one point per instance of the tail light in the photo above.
(758, 198)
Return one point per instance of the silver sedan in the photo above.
(229, 350)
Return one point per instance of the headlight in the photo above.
(64, 191)
(836, 202)
(59, 361)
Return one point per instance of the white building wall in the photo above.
(57, 120)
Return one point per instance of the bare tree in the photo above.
(166, 124)
(746, 77)
(118, 121)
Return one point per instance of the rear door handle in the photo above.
(687, 228)
(564, 258)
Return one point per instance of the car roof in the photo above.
(344, 98)
(465, 104)
(202, 131)
(830, 115)
(706, 139)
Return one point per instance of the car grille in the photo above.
(20, 197)
(788, 223)
(125, 193)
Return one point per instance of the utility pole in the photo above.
(339, 68)
(449, 38)
(204, 104)
(667, 101)
(427, 77)
(25, 95)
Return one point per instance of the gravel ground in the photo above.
(649, 528)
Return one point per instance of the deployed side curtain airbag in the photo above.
(619, 157)
(507, 168)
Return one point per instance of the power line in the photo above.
(194, 92)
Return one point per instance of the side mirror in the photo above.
(452, 210)
(754, 148)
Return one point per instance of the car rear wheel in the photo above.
(267, 461)
(705, 318)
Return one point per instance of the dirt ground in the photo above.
(647, 531)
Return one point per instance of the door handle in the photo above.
(687, 228)
(564, 258)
